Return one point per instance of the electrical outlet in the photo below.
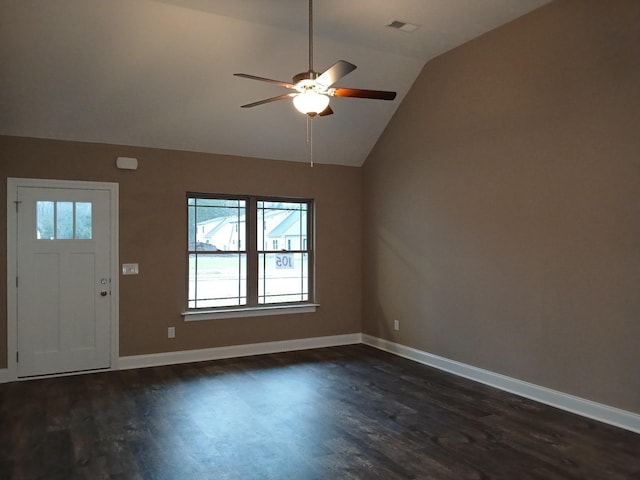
(396, 325)
(171, 332)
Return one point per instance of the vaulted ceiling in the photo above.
(159, 73)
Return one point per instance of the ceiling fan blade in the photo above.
(358, 93)
(269, 100)
(326, 111)
(262, 79)
(335, 72)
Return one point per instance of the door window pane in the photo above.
(64, 220)
(83, 220)
(44, 220)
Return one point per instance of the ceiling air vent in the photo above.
(404, 26)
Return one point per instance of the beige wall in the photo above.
(502, 204)
(153, 233)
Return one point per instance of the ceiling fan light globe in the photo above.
(310, 102)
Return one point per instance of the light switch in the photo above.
(130, 269)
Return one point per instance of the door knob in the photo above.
(103, 293)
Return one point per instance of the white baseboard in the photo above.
(4, 375)
(218, 353)
(586, 408)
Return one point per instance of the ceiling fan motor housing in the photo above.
(308, 75)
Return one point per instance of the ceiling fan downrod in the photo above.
(310, 35)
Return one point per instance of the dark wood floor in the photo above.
(340, 413)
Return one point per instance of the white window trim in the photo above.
(246, 312)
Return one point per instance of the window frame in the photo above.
(252, 252)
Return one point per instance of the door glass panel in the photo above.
(83, 220)
(64, 220)
(44, 215)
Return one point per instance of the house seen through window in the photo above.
(234, 256)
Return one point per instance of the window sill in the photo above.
(196, 315)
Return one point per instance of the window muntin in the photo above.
(245, 265)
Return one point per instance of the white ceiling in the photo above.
(159, 73)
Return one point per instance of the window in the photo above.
(233, 254)
(63, 220)
(282, 275)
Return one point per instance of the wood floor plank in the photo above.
(348, 412)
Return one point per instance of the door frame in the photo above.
(12, 265)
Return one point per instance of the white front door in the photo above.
(63, 280)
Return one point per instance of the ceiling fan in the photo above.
(312, 89)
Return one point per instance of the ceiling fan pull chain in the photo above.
(310, 138)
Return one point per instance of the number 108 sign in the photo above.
(284, 260)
